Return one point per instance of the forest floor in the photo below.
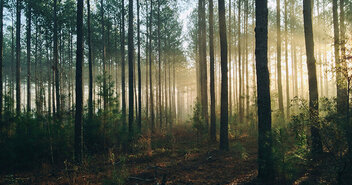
(179, 159)
(185, 162)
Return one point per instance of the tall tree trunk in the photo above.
(279, 82)
(253, 66)
(293, 51)
(173, 90)
(130, 68)
(90, 63)
(246, 56)
(150, 69)
(79, 84)
(286, 67)
(18, 57)
(139, 120)
(105, 93)
(49, 80)
(339, 79)
(265, 158)
(212, 71)
(123, 72)
(12, 63)
(203, 61)
(159, 66)
(239, 65)
(312, 76)
(29, 22)
(224, 140)
(166, 58)
(230, 60)
(1, 55)
(146, 64)
(345, 81)
(56, 63)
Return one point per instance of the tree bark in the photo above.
(246, 57)
(56, 63)
(105, 93)
(313, 90)
(150, 69)
(90, 63)
(79, 84)
(130, 68)
(159, 66)
(1, 56)
(203, 61)
(240, 65)
(341, 83)
(29, 22)
(123, 72)
(286, 68)
(18, 57)
(212, 71)
(279, 82)
(265, 158)
(229, 35)
(224, 140)
(139, 119)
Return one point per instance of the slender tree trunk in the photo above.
(139, 120)
(224, 140)
(159, 66)
(36, 67)
(49, 82)
(174, 90)
(105, 98)
(123, 72)
(286, 61)
(212, 71)
(12, 63)
(79, 84)
(130, 68)
(293, 51)
(146, 64)
(346, 79)
(313, 89)
(150, 69)
(202, 61)
(230, 60)
(52, 83)
(1, 55)
(90, 63)
(239, 65)
(339, 79)
(56, 63)
(169, 88)
(18, 57)
(166, 59)
(279, 82)
(29, 22)
(265, 158)
(246, 56)
(253, 66)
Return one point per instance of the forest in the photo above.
(177, 92)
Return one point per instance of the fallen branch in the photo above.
(141, 179)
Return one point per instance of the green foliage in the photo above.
(29, 142)
(291, 144)
(103, 130)
(119, 170)
(198, 121)
(240, 150)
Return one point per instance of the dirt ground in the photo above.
(186, 163)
